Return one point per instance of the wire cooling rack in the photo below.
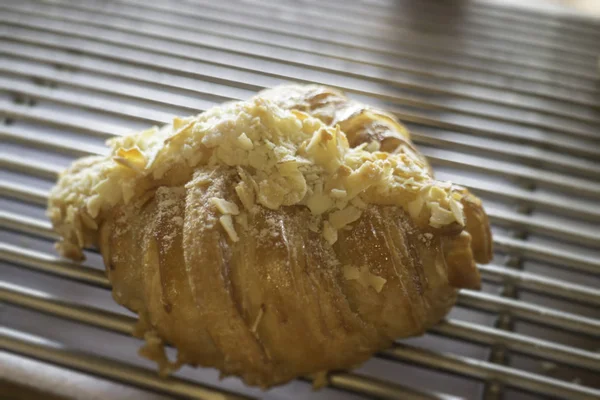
(504, 101)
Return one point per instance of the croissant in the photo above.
(288, 235)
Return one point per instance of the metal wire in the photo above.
(437, 156)
(124, 325)
(488, 371)
(487, 13)
(549, 160)
(348, 83)
(114, 370)
(551, 287)
(547, 140)
(435, 21)
(478, 300)
(503, 93)
(540, 252)
(117, 323)
(222, 28)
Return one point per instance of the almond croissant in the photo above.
(295, 233)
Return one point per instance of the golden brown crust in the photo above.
(363, 125)
(360, 123)
(269, 293)
(278, 303)
(478, 226)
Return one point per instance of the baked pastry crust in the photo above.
(294, 233)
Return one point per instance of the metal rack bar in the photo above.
(122, 324)
(42, 262)
(483, 41)
(474, 51)
(114, 370)
(40, 169)
(453, 328)
(477, 59)
(490, 372)
(559, 205)
(240, 81)
(582, 117)
(534, 282)
(49, 171)
(49, 305)
(381, 34)
(507, 218)
(347, 81)
(24, 193)
(546, 253)
(530, 250)
(562, 205)
(535, 225)
(535, 157)
(579, 24)
(214, 30)
(535, 347)
(256, 51)
(571, 185)
(70, 148)
(74, 122)
(541, 284)
(27, 225)
(438, 156)
(447, 362)
(501, 93)
(530, 312)
(439, 23)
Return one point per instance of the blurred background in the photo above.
(576, 7)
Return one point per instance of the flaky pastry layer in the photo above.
(293, 233)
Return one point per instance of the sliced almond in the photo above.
(227, 224)
(224, 206)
